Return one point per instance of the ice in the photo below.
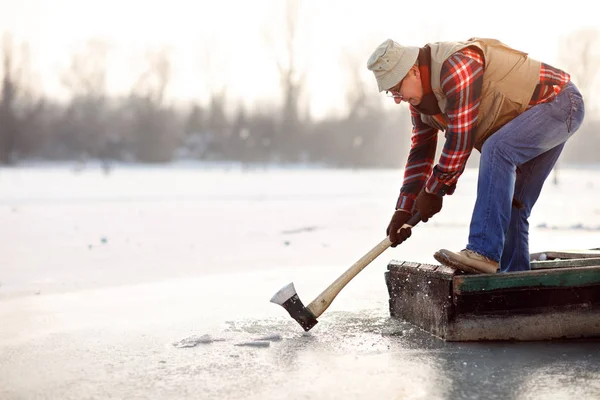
(195, 340)
(275, 337)
(254, 344)
(191, 249)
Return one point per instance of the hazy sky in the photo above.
(333, 36)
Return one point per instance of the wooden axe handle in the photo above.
(324, 300)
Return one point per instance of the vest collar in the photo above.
(429, 103)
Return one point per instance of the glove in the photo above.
(517, 204)
(399, 218)
(428, 204)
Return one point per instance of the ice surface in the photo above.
(274, 337)
(139, 272)
(255, 343)
(195, 340)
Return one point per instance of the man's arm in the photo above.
(420, 161)
(462, 80)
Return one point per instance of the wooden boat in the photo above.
(558, 299)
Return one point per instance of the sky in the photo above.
(233, 45)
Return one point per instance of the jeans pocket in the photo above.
(567, 107)
(576, 111)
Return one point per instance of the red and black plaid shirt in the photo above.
(462, 80)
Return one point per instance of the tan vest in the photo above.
(509, 80)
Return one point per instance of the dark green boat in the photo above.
(558, 299)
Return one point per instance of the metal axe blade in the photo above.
(288, 299)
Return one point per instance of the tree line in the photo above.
(143, 126)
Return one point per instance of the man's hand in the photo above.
(399, 218)
(428, 204)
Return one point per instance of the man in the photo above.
(517, 111)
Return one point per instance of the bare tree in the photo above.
(154, 135)
(19, 104)
(87, 73)
(292, 79)
(8, 114)
(369, 136)
(359, 102)
(579, 55)
(23, 107)
(85, 124)
(154, 80)
(217, 124)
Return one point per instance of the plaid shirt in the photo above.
(462, 80)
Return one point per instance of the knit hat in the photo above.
(390, 62)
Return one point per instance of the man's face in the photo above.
(409, 89)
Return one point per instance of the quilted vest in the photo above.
(509, 80)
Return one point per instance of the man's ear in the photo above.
(415, 70)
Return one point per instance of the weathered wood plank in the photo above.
(573, 262)
(526, 301)
(570, 322)
(428, 267)
(447, 270)
(563, 277)
(567, 254)
(394, 264)
(421, 296)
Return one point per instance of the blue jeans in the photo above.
(515, 161)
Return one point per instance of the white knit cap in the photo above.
(390, 62)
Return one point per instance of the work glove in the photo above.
(428, 204)
(517, 204)
(399, 218)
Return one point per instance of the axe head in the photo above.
(288, 299)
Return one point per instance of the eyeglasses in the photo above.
(395, 91)
(394, 94)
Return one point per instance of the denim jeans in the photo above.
(515, 161)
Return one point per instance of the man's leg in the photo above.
(530, 179)
(531, 134)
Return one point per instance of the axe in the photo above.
(307, 316)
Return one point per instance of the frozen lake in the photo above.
(102, 274)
